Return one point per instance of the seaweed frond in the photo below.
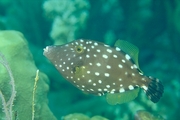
(7, 106)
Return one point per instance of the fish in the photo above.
(99, 69)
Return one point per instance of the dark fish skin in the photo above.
(96, 68)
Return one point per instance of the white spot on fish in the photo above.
(133, 74)
(106, 45)
(99, 89)
(94, 84)
(100, 81)
(90, 42)
(105, 89)
(115, 56)
(118, 49)
(112, 91)
(143, 79)
(64, 62)
(80, 57)
(88, 49)
(83, 86)
(92, 47)
(132, 67)
(126, 73)
(76, 43)
(121, 90)
(98, 64)
(90, 63)
(120, 79)
(130, 87)
(95, 55)
(81, 40)
(104, 56)
(60, 66)
(114, 83)
(120, 66)
(108, 67)
(96, 73)
(140, 73)
(127, 57)
(144, 87)
(135, 66)
(123, 61)
(91, 89)
(67, 68)
(108, 86)
(109, 50)
(87, 56)
(99, 94)
(106, 74)
(89, 80)
(88, 72)
(96, 44)
(121, 85)
(98, 50)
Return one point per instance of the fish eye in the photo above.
(79, 49)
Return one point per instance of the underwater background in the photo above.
(152, 25)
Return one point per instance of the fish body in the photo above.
(97, 68)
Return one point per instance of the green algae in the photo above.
(15, 52)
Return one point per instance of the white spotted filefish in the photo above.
(97, 68)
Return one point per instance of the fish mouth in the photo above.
(47, 50)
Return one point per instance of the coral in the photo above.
(69, 18)
(145, 115)
(7, 106)
(79, 116)
(26, 95)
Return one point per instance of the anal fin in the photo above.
(119, 98)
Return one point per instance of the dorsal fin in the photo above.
(119, 98)
(130, 49)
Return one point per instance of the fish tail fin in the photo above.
(154, 89)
